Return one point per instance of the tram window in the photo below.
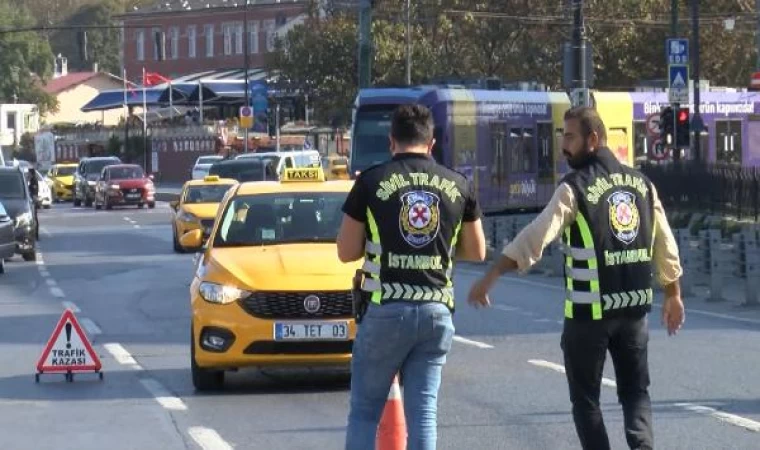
(545, 150)
(529, 150)
(515, 149)
(640, 140)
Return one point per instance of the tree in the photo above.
(25, 59)
(102, 44)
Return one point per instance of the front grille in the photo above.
(290, 305)
(299, 348)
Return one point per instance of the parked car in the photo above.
(203, 164)
(19, 206)
(87, 175)
(44, 193)
(7, 240)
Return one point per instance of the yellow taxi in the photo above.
(336, 167)
(197, 206)
(269, 289)
(62, 177)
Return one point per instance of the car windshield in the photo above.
(11, 185)
(125, 173)
(274, 160)
(65, 171)
(206, 194)
(243, 171)
(95, 167)
(208, 159)
(281, 218)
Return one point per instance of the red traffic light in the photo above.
(683, 116)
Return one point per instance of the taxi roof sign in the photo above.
(303, 174)
(211, 178)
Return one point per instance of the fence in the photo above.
(708, 259)
(718, 189)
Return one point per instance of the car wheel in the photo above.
(29, 256)
(177, 248)
(152, 205)
(204, 379)
(140, 205)
(87, 202)
(77, 202)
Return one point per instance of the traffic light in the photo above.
(82, 41)
(160, 37)
(683, 135)
(667, 125)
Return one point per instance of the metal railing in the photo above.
(717, 189)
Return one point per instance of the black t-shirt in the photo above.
(413, 208)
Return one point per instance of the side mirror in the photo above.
(192, 239)
(174, 204)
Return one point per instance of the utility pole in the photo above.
(365, 43)
(245, 58)
(409, 43)
(757, 34)
(696, 121)
(674, 35)
(581, 95)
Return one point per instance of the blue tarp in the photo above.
(115, 99)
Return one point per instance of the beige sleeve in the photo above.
(528, 246)
(665, 256)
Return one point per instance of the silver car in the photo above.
(7, 239)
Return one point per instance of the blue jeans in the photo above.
(406, 337)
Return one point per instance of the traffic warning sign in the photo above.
(68, 350)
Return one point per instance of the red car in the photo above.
(124, 184)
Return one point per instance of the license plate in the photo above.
(311, 331)
(136, 195)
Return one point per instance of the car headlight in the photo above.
(185, 216)
(91, 183)
(221, 294)
(24, 219)
(115, 187)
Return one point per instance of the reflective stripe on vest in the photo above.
(372, 252)
(589, 273)
(640, 297)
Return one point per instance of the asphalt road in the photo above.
(503, 384)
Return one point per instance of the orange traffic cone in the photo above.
(391, 434)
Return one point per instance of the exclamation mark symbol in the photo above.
(68, 334)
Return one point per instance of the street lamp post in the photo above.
(245, 50)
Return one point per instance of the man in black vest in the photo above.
(615, 235)
(409, 219)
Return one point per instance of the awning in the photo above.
(114, 99)
(180, 92)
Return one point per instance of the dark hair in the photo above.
(590, 122)
(412, 125)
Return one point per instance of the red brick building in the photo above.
(203, 35)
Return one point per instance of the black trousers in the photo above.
(585, 345)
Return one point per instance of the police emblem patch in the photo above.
(419, 217)
(624, 216)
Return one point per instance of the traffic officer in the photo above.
(408, 218)
(615, 235)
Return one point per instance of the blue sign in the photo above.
(678, 83)
(260, 105)
(677, 51)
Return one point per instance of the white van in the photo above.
(203, 164)
(287, 160)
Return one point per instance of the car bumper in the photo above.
(121, 199)
(250, 341)
(64, 192)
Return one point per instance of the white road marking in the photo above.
(57, 292)
(90, 327)
(731, 419)
(137, 226)
(127, 219)
(543, 320)
(43, 271)
(50, 282)
(656, 305)
(163, 396)
(121, 355)
(471, 342)
(208, 439)
(45, 232)
(71, 305)
(504, 308)
(39, 261)
(561, 369)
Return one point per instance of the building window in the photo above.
(191, 39)
(209, 33)
(140, 45)
(253, 36)
(174, 46)
(227, 30)
(10, 123)
(239, 38)
(156, 42)
(269, 30)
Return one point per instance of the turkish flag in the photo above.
(153, 78)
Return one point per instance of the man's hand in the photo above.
(673, 314)
(478, 296)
